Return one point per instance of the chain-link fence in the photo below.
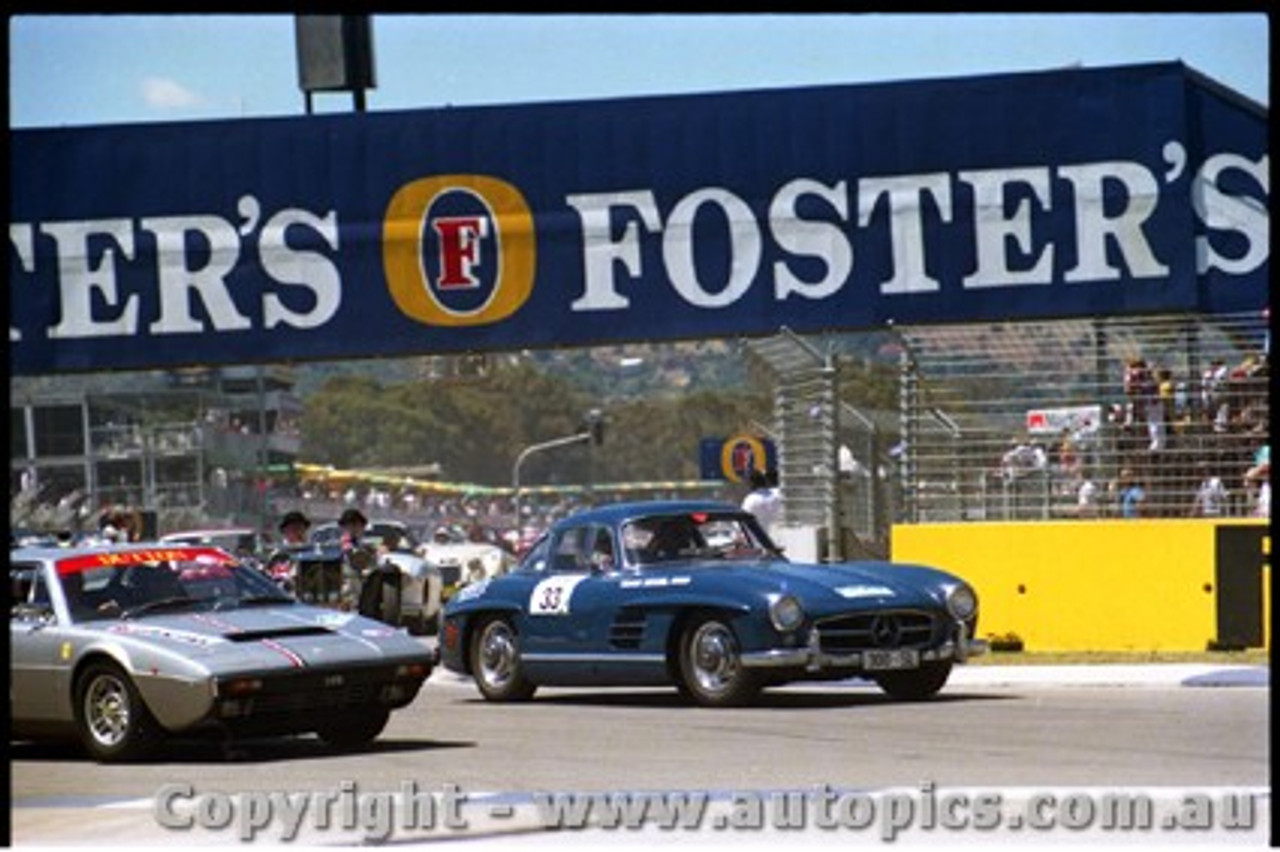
(804, 427)
(833, 456)
(1155, 417)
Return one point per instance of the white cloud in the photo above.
(163, 93)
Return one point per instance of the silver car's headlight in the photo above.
(962, 603)
(786, 613)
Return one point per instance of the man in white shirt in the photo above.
(1211, 496)
(764, 500)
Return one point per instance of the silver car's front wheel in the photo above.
(495, 662)
(711, 666)
(113, 721)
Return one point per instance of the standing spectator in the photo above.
(1023, 457)
(1211, 382)
(764, 500)
(1130, 495)
(1160, 409)
(1087, 498)
(1139, 390)
(1069, 461)
(293, 529)
(1085, 439)
(1257, 483)
(1211, 495)
(1262, 501)
(293, 534)
(353, 524)
(359, 557)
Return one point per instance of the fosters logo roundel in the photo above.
(459, 250)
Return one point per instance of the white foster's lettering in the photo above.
(192, 259)
(1245, 215)
(1110, 204)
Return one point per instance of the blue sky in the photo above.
(82, 69)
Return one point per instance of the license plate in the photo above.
(895, 658)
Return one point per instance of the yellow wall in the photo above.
(1084, 586)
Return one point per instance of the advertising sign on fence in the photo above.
(1075, 418)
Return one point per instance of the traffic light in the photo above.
(595, 425)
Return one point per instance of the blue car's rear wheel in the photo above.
(113, 721)
(711, 666)
(495, 662)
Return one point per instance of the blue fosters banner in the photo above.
(1068, 193)
(735, 457)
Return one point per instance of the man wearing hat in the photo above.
(293, 529)
(360, 555)
(293, 538)
(365, 583)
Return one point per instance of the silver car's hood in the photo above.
(293, 636)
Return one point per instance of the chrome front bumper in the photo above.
(812, 659)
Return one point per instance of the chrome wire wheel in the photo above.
(714, 654)
(495, 662)
(497, 654)
(108, 710)
(711, 668)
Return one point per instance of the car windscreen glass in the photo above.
(164, 580)
(693, 536)
(536, 559)
(381, 532)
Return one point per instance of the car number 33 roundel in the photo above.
(553, 595)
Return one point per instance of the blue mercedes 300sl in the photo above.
(696, 595)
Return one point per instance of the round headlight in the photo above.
(962, 603)
(786, 613)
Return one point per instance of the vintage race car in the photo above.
(696, 595)
(122, 645)
(397, 588)
(463, 563)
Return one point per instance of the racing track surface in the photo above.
(984, 731)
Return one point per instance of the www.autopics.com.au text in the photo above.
(383, 815)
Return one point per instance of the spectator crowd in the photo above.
(1173, 447)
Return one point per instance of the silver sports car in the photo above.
(124, 644)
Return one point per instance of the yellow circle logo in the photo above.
(740, 455)
(460, 247)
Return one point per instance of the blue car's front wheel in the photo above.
(711, 665)
(495, 662)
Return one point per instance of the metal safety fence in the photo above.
(831, 453)
(1165, 416)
